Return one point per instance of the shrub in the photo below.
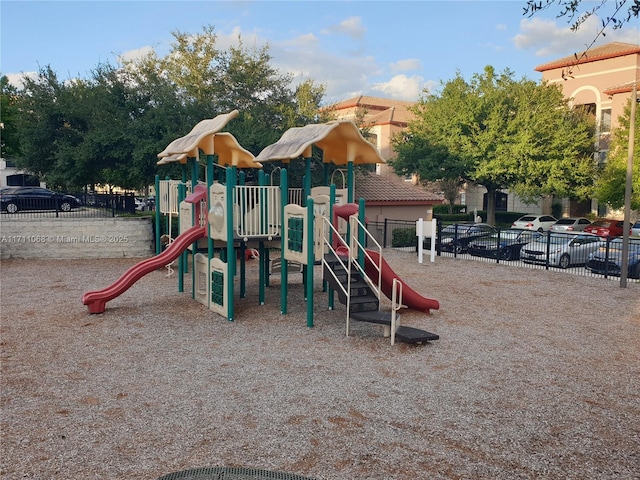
(403, 237)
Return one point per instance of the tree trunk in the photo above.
(491, 206)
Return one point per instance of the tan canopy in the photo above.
(341, 142)
(206, 136)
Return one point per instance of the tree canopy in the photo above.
(108, 128)
(610, 186)
(500, 133)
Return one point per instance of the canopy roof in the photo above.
(341, 142)
(206, 136)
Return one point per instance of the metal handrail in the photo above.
(326, 242)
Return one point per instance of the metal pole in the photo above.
(624, 270)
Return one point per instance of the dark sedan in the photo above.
(607, 260)
(15, 199)
(457, 237)
(505, 245)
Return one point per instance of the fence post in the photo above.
(384, 234)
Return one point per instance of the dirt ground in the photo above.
(535, 375)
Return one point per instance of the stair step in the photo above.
(414, 335)
(377, 316)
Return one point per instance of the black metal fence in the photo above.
(586, 255)
(83, 205)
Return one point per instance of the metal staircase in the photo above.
(343, 271)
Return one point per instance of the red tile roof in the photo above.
(380, 111)
(379, 190)
(610, 50)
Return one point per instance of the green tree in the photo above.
(502, 134)
(209, 81)
(431, 162)
(9, 141)
(610, 186)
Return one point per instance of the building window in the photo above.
(605, 120)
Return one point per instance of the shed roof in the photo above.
(379, 190)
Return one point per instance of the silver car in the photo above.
(562, 249)
(570, 224)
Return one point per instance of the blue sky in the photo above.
(392, 49)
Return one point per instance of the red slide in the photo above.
(410, 297)
(97, 299)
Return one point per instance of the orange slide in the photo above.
(97, 299)
(410, 297)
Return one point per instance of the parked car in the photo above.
(541, 223)
(562, 249)
(15, 199)
(606, 227)
(608, 260)
(457, 237)
(505, 245)
(635, 229)
(570, 224)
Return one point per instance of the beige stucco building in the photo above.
(600, 80)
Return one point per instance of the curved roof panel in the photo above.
(340, 141)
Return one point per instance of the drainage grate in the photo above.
(231, 473)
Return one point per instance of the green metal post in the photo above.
(194, 246)
(307, 177)
(231, 264)
(184, 255)
(157, 216)
(332, 201)
(210, 244)
(181, 258)
(262, 272)
(310, 261)
(243, 269)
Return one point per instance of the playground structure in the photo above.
(321, 226)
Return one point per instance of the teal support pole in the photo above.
(350, 194)
(243, 270)
(332, 202)
(185, 175)
(181, 258)
(307, 177)
(194, 245)
(325, 173)
(284, 189)
(262, 272)
(210, 245)
(157, 216)
(231, 263)
(310, 261)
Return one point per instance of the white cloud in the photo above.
(401, 87)
(548, 39)
(15, 79)
(136, 54)
(406, 65)
(352, 27)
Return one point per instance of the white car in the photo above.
(540, 223)
(635, 229)
(570, 224)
